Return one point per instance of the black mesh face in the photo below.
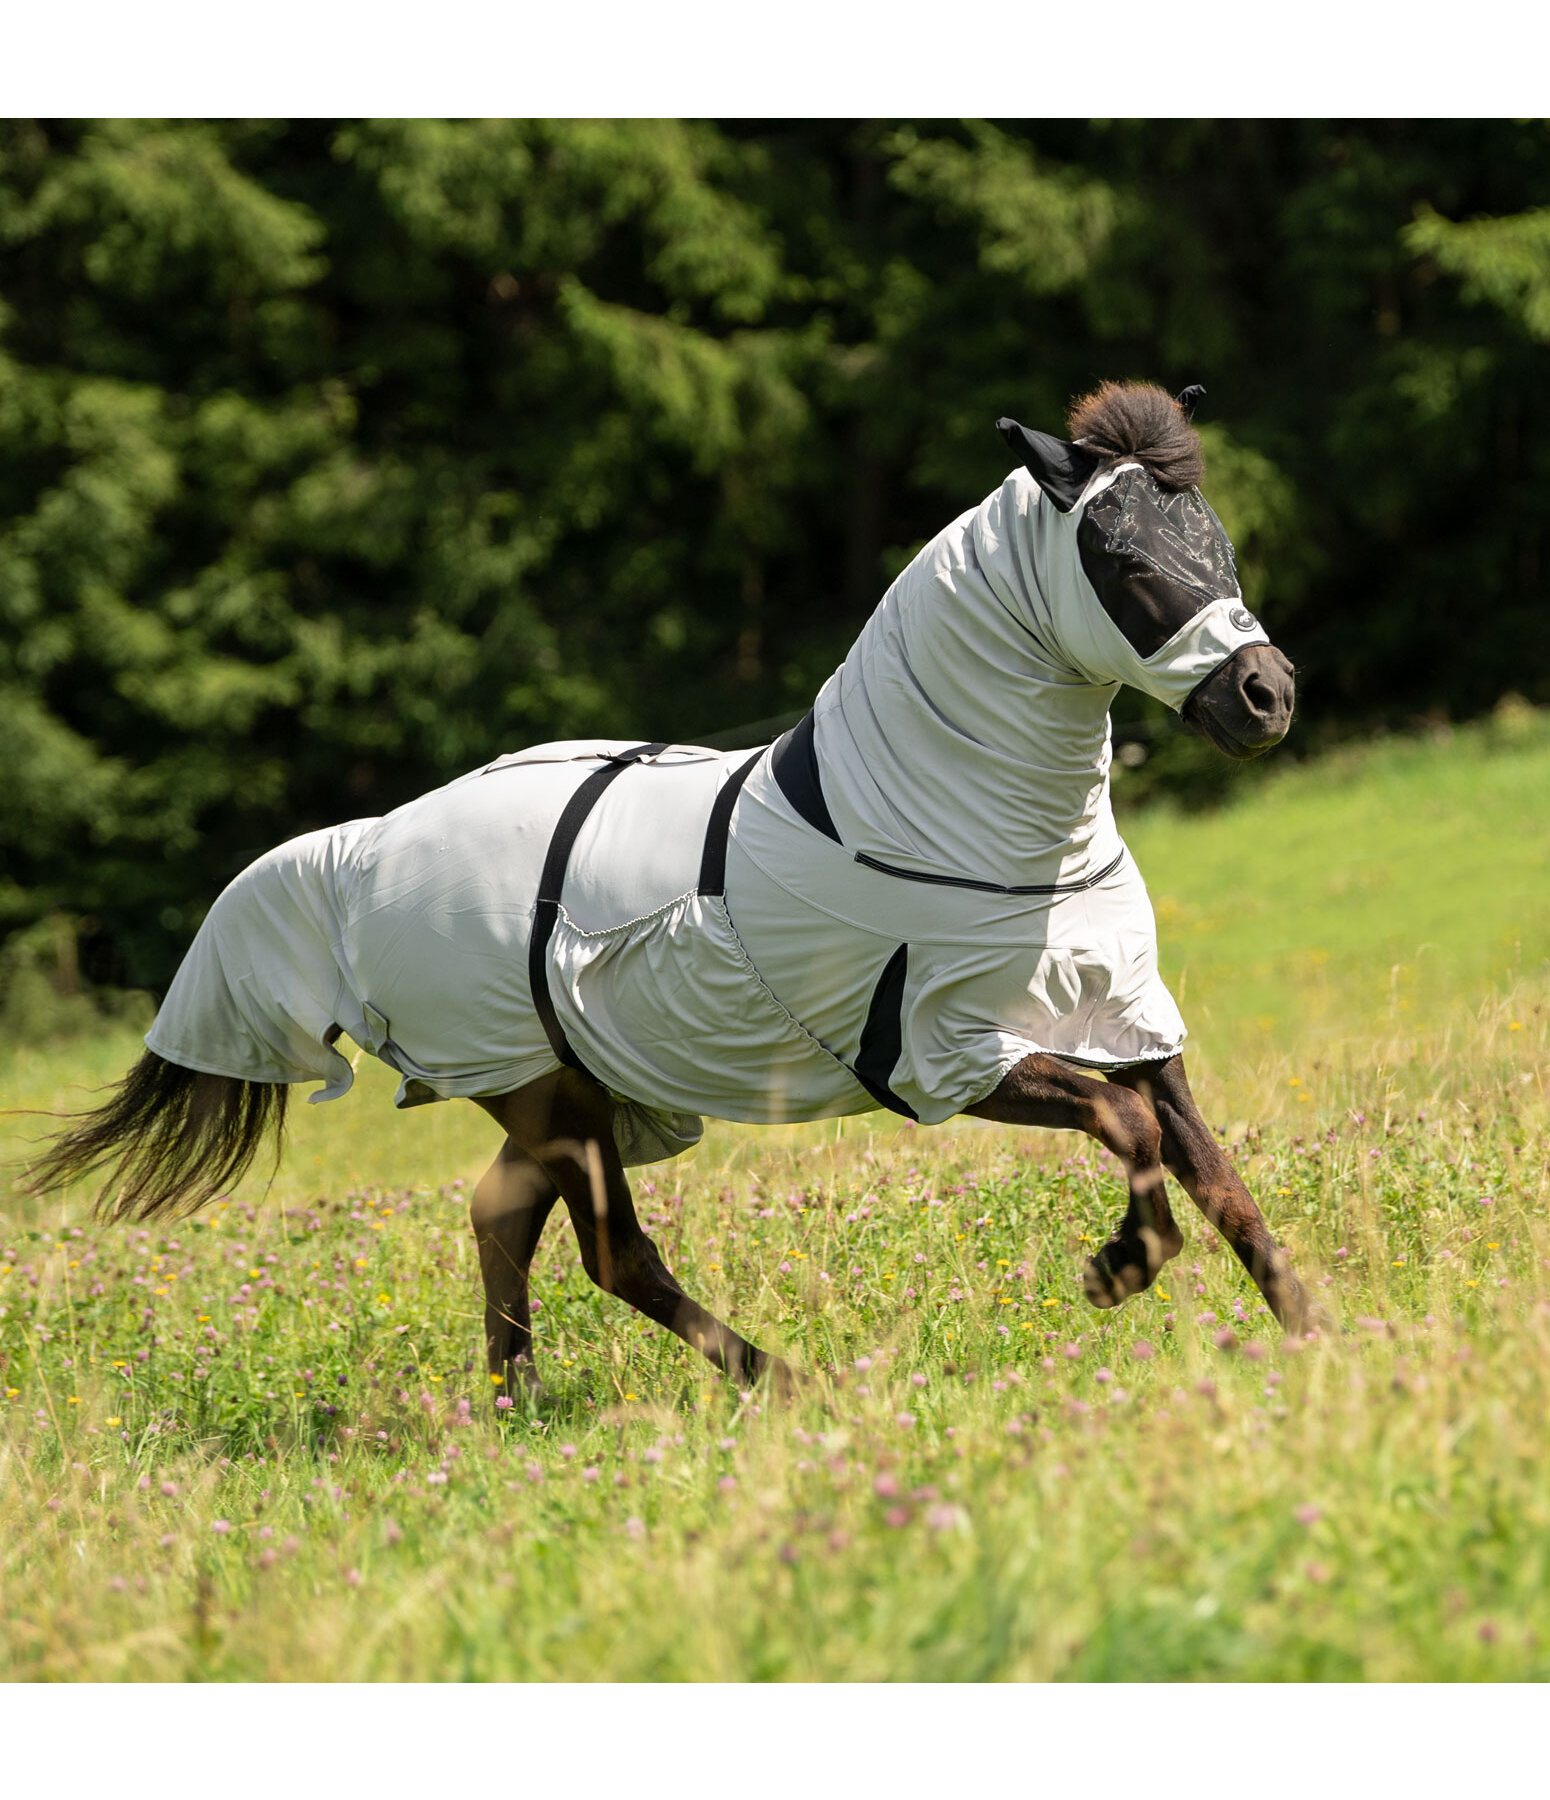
(1155, 559)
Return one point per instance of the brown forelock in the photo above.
(170, 1138)
(1140, 420)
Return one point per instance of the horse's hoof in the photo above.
(522, 1385)
(779, 1380)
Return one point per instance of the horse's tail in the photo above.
(170, 1139)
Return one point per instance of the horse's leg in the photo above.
(564, 1123)
(1042, 1091)
(1201, 1167)
(510, 1205)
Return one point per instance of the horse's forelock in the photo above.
(1135, 419)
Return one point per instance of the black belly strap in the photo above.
(713, 866)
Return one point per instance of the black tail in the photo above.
(170, 1139)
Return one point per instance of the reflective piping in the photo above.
(988, 887)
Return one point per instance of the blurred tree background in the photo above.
(338, 457)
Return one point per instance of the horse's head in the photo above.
(1158, 562)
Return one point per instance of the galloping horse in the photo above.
(916, 899)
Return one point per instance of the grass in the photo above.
(259, 1445)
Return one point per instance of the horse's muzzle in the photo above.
(1245, 706)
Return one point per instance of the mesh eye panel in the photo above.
(1155, 559)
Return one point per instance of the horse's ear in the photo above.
(1189, 398)
(1063, 470)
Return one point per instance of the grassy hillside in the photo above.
(259, 1445)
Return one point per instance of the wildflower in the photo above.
(591, 1472)
(115, 1421)
(897, 1516)
(904, 1420)
(884, 1486)
(1142, 1351)
(1103, 1375)
(1072, 1352)
(352, 1577)
(1308, 1514)
(1225, 1339)
(727, 1483)
(503, 1403)
(169, 1488)
(220, 1526)
(635, 1528)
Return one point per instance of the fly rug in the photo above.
(917, 900)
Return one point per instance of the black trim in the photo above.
(713, 858)
(794, 764)
(551, 883)
(988, 887)
(882, 1036)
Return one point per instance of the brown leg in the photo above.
(509, 1209)
(1042, 1091)
(563, 1124)
(1200, 1165)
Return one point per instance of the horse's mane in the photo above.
(1135, 419)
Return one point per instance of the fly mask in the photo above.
(1156, 559)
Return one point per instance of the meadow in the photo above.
(259, 1444)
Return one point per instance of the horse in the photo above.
(916, 899)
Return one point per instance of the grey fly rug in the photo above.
(890, 907)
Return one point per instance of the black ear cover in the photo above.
(1062, 470)
(1189, 398)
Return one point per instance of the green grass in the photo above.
(955, 1496)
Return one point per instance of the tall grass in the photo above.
(261, 1445)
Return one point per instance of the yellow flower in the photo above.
(384, 1299)
(1471, 1284)
(204, 1319)
(1283, 1190)
(75, 1400)
(1296, 1081)
(1399, 1262)
(11, 1393)
(1162, 1296)
(1001, 1302)
(498, 1380)
(121, 1365)
(435, 1378)
(115, 1421)
(255, 1271)
(632, 1396)
(360, 1262)
(1516, 1025)
(1493, 1246)
(1049, 1303)
(1001, 1262)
